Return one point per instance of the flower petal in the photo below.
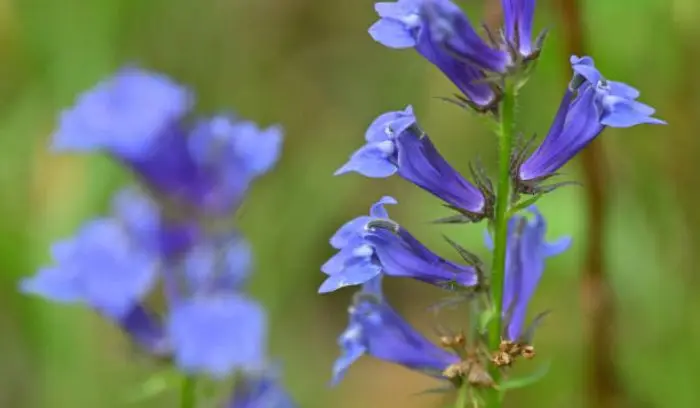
(217, 335)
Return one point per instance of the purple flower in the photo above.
(590, 104)
(146, 330)
(144, 222)
(373, 245)
(527, 250)
(260, 391)
(100, 267)
(125, 115)
(442, 34)
(518, 16)
(375, 329)
(232, 153)
(192, 178)
(395, 143)
(221, 264)
(137, 117)
(217, 334)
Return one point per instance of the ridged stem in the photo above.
(498, 265)
(188, 392)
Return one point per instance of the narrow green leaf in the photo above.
(514, 383)
(485, 318)
(154, 386)
(525, 203)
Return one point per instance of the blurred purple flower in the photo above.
(100, 267)
(373, 245)
(395, 143)
(590, 104)
(375, 329)
(137, 117)
(232, 153)
(260, 391)
(146, 330)
(144, 221)
(217, 334)
(218, 265)
(125, 115)
(192, 177)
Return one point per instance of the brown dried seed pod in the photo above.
(479, 377)
(528, 352)
(502, 359)
(446, 341)
(456, 370)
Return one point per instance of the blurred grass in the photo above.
(310, 66)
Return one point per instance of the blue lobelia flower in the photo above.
(135, 116)
(518, 16)
(442, 34)
(193, 177)
(590, 104)
(212, 326)
(220, 264)
(100, 267)
(217, 334)
(375, 329)
(527, 250)
(125, 115)
(395, 144)
(261, 390)
(146, 330)
(232, 153)
(145, 222)
(373, 245)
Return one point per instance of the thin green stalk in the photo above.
(463, 396)
(498, 266)
(188, 393)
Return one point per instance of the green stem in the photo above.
(188, 393)
(463, 396)
(498, 266)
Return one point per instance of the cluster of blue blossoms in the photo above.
(170, 236)
(373, 246)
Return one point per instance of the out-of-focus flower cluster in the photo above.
(170, 236)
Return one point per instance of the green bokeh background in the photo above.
(310, 66)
